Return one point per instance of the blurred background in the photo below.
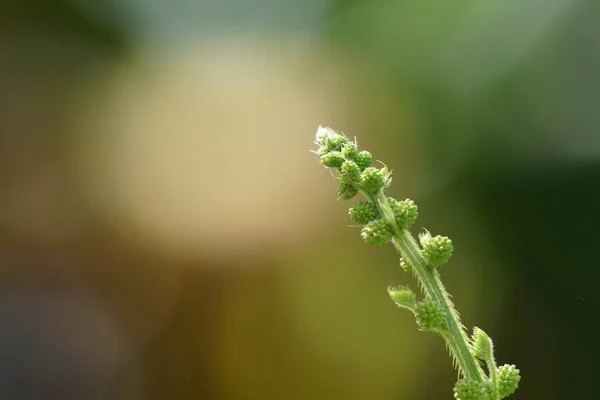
(165, 232)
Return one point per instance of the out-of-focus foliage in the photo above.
(165, 233)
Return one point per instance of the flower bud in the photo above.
(333, 159)
(377, 232)
(350, 151)
(329, 140)
(372, 180)
(336, 142)
(508, 380)
(436, 250)
(347, 191)
(405, 213)
(364, 212)
(431, 316)
(482, 345)
(403, 297)
(468, 389)
(364, 159)
(350, 172)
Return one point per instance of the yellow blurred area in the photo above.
(206, 150)
(182, 209)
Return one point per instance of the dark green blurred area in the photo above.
(502, 100)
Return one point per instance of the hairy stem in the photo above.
(491, 364)
(456, 337)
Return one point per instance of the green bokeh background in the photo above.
(489, 120)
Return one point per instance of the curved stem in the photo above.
(431, 283)
(491, 364)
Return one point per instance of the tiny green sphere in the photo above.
(350, 150)
(406, 267)
(364, 212)
(468, 389)
(364, 159)
(333, 159)
(436, 250)
(372, 179)
(350, 172)
(430, 316)
(377, 232)
(508, 380)
(405, 213)
(347, 191)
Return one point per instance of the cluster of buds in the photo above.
(508, 382)
(355, 175)
(385, 219)
(355, 171)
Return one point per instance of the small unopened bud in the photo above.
(405, 213)
(333, 159)
(346, 191)
(468, 389)
(350, 151)
(403, 297)
(350, 172)
(377, 233)
(508, 380)
(364, 159)
(431, 316)
(482, 345)
(436, 250)
(364, 212)
(372, 179)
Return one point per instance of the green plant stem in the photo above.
(491, 364)
(456, 337)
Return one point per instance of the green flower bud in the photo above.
(405, 213)
(346, 191)
(372, 179)
(430, 316)
(467, 389)
(436, 250)
(482, 345)
(329, 140)
(336, 142)
(364, 159)
(350, 171)
(350, 151)
(364, 212)
(377, 232)
(403, 297)
(333, 159)
(508, 380)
